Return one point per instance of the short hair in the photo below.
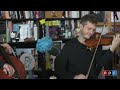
(92, 18)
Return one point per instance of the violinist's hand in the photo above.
(8, 69)
(7, 47)
(115, 42)
(80, 76)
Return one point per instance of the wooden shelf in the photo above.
(102, 23)
(116, 23)
(63, 40)
(49, 19)
(112, 23)
(40, 19)
(35, 19)
(23, 44)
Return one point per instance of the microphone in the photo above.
(115, 15)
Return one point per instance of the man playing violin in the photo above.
(7, 68)
(75, 58)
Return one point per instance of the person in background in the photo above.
(7, 68)
(75, 58)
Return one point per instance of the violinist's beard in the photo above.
(87, 36)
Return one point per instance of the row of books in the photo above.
(48, 14)
(21, 14)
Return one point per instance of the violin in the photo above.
(96, 40)
(105, 40)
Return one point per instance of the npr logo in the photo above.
(109, 72)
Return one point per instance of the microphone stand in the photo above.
(115, 18)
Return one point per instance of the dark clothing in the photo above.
(75, 58)
(1, 64)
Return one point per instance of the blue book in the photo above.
(16, 27)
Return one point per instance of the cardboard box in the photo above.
(53, 14)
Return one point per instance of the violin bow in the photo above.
(94, 53)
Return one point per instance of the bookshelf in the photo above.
(66, 20)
